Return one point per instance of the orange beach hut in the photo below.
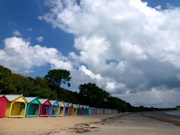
(71, 109)
(3, 104)
(16, 106)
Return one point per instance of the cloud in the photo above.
(39, 39)
(29, 29)
(16, 33)
(22, 57)
(124, 46)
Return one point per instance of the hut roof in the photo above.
(12, 97)
(29, 99)
(42, 100)
(52, 101)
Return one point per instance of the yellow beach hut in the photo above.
(61, 108)
(16, 106)
(75, 109)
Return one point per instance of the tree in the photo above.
(93, 95)
(56, 77)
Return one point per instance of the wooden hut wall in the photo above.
(3, 104)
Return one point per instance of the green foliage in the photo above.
(56, 77)
(93, 95)
(6, 84)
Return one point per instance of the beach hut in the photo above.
(92, 110)
(82, 109)
(61, 108)
(54, 108)
(33, 107)
(3, 104)
(66, 113)
(78, 109)
(71, 109)
(98, 111)
(45, 108)
(75, 109)
(95, 110)
(86, 108)
(16, 106)
(101, 111)
(89, 111)
(104, 111)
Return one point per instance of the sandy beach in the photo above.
(115, 124)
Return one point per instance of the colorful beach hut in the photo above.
(82, 109)
(71, 109)
(75, 109)
(45, 108)
(61, 108)
(54, 108)
(66, 113)
(16, 106)
(89, 111)
(98, 111)
(104, 111)
(33, 107)
(3, 104)
(86, 109)
(78, 109)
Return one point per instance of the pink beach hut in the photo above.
(3, 104)
(45, 108)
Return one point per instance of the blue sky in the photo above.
(129, 48)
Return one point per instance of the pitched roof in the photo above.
(29, 99)
(42, 100)
(12, 97)
(53, 101)
(60, 102)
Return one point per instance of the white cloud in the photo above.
(39, 39)
(16, 33)
(22, 57)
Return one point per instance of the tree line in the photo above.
(49, 87)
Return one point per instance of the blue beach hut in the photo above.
(66, 113)
(54, 108)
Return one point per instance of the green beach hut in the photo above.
(33, 107)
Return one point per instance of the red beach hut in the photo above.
(3, 104)
(45, 108)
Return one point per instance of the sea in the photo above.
(177, 112)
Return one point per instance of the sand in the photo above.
(117, 124)
(45, 126)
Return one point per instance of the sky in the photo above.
(130, 48)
